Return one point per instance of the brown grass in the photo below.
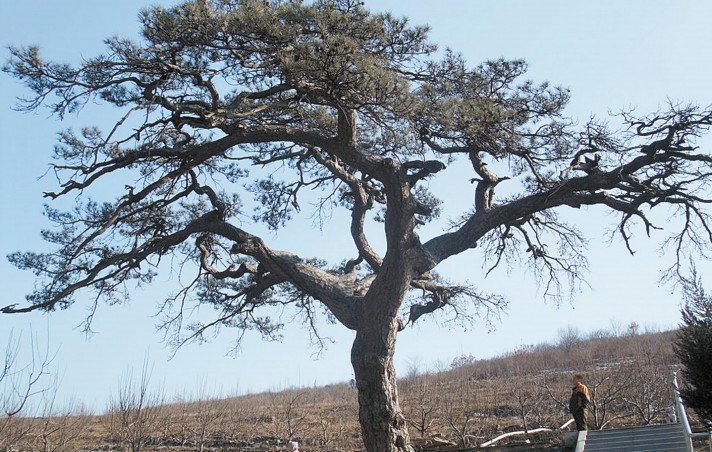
(455, 409)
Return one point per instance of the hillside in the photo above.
(470, 402)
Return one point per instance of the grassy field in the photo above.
(454, 408)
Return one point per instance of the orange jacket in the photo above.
(580, 398)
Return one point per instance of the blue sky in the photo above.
(611, 54)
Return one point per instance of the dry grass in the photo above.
(456, 409)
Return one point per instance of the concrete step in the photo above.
(649, 438)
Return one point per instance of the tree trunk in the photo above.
(383, 426)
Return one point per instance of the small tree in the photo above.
(59, 429)
(208, 416)
(421, 404)
(694, 348)
(459, 414)
(288, 413)
(202, 416)
(136, 412)
(648, 391)
(20, 381)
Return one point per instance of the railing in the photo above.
(682, 415)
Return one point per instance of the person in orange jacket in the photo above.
(578, 405)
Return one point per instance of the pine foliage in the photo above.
(694, 348)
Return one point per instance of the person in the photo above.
(578, 405)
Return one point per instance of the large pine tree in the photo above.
(233, 117)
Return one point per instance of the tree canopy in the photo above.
(329, 105)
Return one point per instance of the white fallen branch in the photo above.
(521, 432)
(569, 422)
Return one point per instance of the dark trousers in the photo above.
(580, 417)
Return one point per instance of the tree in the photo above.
(648, 393)
(20, 381)
(421, 411)
(353, 112)
(58, 428)
(694, 348)
(136, 412)
(206, 412)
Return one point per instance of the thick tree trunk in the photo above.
(383, 426)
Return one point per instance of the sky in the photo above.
(611, 55)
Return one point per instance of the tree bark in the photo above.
(383, 426)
